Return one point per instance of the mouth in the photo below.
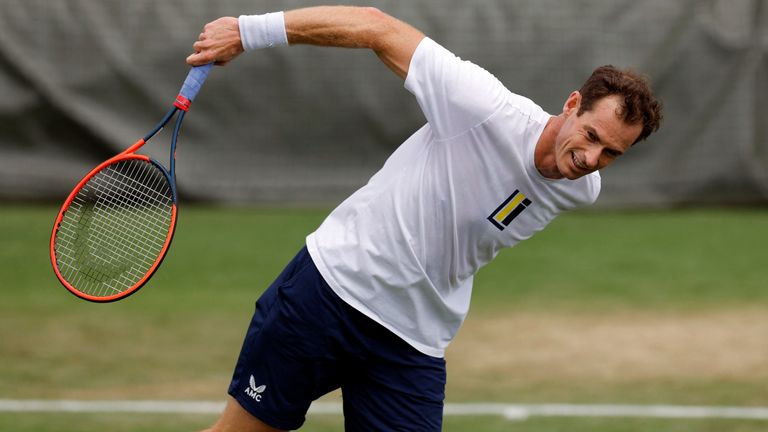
(578, 163)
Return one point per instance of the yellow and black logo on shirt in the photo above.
(509, 210)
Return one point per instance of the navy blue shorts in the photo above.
(304, 341)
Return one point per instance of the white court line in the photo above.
(508, 411)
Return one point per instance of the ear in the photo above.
(572, 104)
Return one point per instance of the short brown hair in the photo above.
(639, 104)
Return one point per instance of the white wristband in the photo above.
(262, 31)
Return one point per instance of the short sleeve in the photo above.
(455, 95)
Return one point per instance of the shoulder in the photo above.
(567, 195)
(455, 95)
(591, 188)
(434, 67)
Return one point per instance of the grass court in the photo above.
(601, 307)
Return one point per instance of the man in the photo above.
(383, 285)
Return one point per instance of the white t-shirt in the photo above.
(403, 249)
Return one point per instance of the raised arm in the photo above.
(393, 41)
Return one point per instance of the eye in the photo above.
(613, 153)
(591, 136)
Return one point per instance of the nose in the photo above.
(592, 157)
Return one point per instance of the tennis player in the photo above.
(382, 286)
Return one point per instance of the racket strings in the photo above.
(115, 229)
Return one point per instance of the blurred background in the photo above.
(658, 294)
(80, 79)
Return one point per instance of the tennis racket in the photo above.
(115, 227)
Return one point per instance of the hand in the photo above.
(219, 43)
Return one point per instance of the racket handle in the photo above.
(191, 86)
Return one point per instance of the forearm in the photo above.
(355, 27)
(337, 26)
(346, 27)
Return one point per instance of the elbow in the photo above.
(380, 27)
(374, 12)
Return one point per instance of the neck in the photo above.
(544, 155)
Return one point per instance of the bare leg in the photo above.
(236, 419)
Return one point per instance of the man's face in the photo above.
(594, 139)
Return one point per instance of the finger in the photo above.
(197, 59)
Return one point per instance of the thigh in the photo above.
(395, 387)
(373, 405)
(284, 363)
